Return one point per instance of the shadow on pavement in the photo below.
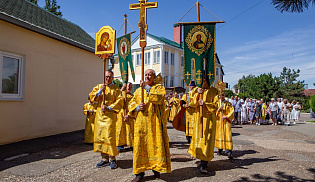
(213, 166)
(179, 145)
(235, 134)
(239, 153)
(280, 176)
(124, 164)
(50, 147)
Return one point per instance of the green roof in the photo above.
(35, 18)
(163, 40)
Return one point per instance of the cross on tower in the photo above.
(143, 6)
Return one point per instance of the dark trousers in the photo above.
(237, 117)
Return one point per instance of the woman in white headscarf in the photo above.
(244, 111)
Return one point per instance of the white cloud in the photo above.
(292, 49)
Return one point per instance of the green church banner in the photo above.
(199, 50)
(124, 54)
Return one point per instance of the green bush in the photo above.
(312, 103)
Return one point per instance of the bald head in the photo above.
(149, 76)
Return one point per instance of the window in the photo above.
(172, 58)
(182, 61)
(166, 57)
(172, 81)
(11, 77)
(183, 83)
(156, 57)
(147, 58)
(139, 59)
(217, 71)
(165, 81)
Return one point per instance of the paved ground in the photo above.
(262, 153)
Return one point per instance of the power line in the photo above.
(241, 14)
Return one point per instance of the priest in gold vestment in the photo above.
(189, 111)
(89, 109)
(151, 143)
(202, 144)
(175, 106)
(105, 119)
(124, 128)
(223, 136)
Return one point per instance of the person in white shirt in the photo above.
(274, 111)
(285, 112)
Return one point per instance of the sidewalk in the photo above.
(262, 153)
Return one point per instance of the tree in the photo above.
(294, 6)
(312, 103)
(51, 6)
(33, 1)
(291, 88)
(118, 83)
(228, 93)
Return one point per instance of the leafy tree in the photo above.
(291, 88)
(294, 6)
(51, 6)
(312, 103)
(228, 93)
(118, 83)
(33, 1)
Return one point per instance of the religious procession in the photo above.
(118, 120)
(154, 109)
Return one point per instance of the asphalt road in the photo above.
(262, 153)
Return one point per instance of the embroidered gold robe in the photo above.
(189, 112)
(105, 122)
(223, 136)
(89, 110)
(151, 143)
(167, 109)
(124, 129)
(203, 148)
(175, 108)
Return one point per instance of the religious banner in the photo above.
(105, 41)
(124, 54)
(199, 50)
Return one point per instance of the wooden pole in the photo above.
(187, 99)
(142, 73)
(125, 99)
(198, 11)
(104, 71)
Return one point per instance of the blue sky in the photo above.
(255, 39)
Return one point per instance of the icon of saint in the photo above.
(105, 44)
(198, 44)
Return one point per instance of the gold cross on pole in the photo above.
(187, 74)
(143, 6)
(199, 79)
(210, 74)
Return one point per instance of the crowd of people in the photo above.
(118, 120)
(258, 111)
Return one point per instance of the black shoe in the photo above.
(230, 156)
(203, 170)
(102, 164)
(157, 174)
(113, 164)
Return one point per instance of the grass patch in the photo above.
(310, 121)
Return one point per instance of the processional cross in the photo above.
(143, 5)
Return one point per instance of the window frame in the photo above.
(172, 58)
(156, 58)
(21, 77)
(166, 57)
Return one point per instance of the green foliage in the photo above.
(297, 6)
(312, 103)
(266, 86)
(118, 83)
(51, 6)
(228, 93)
(33, 1)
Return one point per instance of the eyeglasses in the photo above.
(109, 76)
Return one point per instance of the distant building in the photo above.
(47, 67)
(309, 92)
